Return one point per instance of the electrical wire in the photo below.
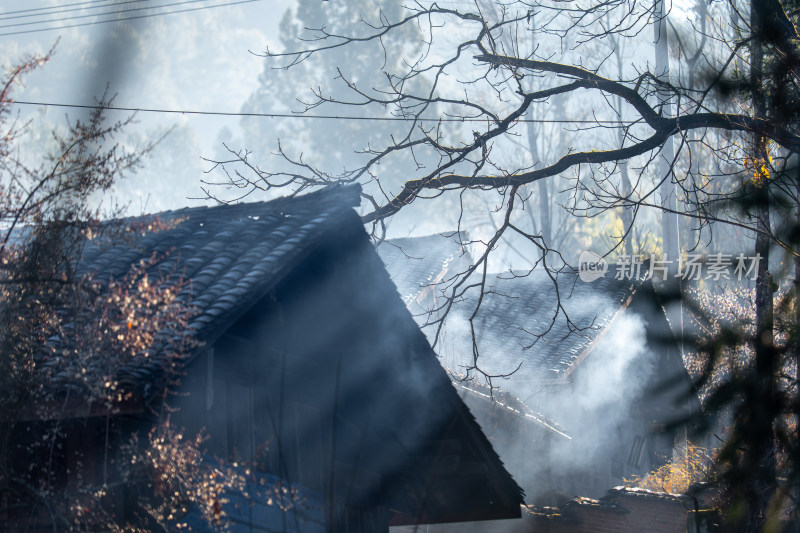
(120, 19)
(109, 3)
(76, 17)
(304, 116)
(63, 5)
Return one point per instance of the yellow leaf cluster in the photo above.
(690, 465)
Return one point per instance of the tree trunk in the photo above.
(669, 199)
(762, 445)
(795, 341)
(627, 190)
(540, 189)
(627, 211)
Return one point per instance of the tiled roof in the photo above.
(567, 511)
(416, 262)
(636, 492)
(509, 403)
(230, 256)
(516, 309)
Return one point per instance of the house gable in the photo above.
(336, 375)
(305, 364)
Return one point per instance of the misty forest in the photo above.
(399, 266)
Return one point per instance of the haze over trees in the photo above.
(332, 144)
(668, 131)
(543, 128)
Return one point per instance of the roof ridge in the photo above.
(346, 196)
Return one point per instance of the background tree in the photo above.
(291, 145)
(733, 123)
(65, 338)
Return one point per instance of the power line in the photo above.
(56, 7)
(66, 9)
(304, 116)
(120, 19)
(76, 17)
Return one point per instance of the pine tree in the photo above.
(330, 143)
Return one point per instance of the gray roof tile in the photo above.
(229, 255)
(517, 309)
(415, 262)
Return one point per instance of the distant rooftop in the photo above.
(415, 263)
(516, 308)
